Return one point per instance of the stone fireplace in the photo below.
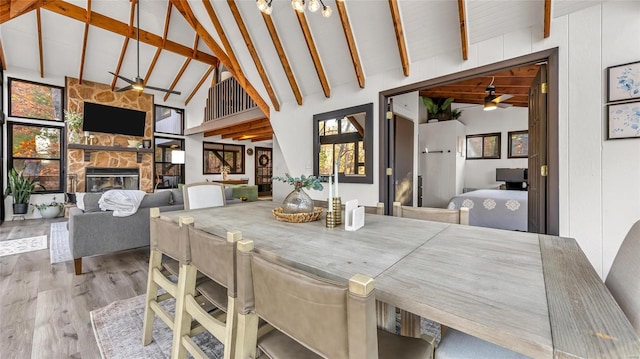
(104, 179)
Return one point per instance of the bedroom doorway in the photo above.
(543, 170)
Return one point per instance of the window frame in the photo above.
(182, 120)
(510, 144)
(61, 104)
(498, 136)
(181, 167)
(61, 158)
(204, 158)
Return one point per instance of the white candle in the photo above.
(330, 196)
(335, 173)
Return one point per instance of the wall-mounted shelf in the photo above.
(90, 148)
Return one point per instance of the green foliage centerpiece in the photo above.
(298, 201)
(74, 122)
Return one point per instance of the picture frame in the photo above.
(623, 120)
(518, 146)
(623, 82)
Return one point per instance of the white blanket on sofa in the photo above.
(123, 203)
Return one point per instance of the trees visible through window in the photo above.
(518, 144)
(167, 174)
(216, 155)
(35, 150)
(35, 100)
(483, 146)
(341, 142)
(169, 120)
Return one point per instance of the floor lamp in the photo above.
(177, 158)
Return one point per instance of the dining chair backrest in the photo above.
(457, 216)
(203, 195)
(622, 280)
(330, 319)
(214, 256)
(168, 238)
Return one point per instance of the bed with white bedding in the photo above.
(503, 209)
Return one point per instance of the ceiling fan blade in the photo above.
(122, 78)
(504, 105)
(126, 88)
(502, 98)
(163, 90)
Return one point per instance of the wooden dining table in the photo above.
(535, 294)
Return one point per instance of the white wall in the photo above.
(482, 173)
(598, 202)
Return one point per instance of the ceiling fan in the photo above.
(491, 101)
(138, 83)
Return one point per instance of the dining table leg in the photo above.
(409, 324)
(386, 316)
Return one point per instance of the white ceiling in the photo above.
(431, 27)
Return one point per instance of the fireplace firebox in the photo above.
(104, 179)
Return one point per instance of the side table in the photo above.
(67, 206)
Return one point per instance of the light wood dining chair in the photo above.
(171, 242)
(459, 216)
(314, 317)
(203, 195)
(622, 279)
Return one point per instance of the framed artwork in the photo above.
(623, 82)
(624, 120)
(518, 144)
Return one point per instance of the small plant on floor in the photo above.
(20, 187)
(51, 209)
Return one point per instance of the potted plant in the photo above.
(438, 107)
(298, 201)
(21, 188)
(74, 122)
(51, 209)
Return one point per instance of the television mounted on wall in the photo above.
(110, 119)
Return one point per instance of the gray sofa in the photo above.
(93, 232)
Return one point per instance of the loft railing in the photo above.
(227, 98)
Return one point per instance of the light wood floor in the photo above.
(44, 308)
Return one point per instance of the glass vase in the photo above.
(74, 136)
(298, 201)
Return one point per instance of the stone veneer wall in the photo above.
(76, 94)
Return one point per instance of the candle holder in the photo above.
(330, 220)
(337, 209)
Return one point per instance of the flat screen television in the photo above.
(109, 119)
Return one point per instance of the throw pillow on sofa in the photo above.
(177, 196)
(90, 201)
(158, 199)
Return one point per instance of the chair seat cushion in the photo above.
(214, 293)
(276, 345)
(458, 345)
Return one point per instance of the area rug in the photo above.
(59, 250)
(118, 331)
(22, 245)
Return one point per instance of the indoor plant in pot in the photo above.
(438, 107)
(21, 188)
(298, 201)
(51, 209)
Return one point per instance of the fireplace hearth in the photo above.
(104, 179)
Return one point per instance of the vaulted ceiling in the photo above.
(278, 59)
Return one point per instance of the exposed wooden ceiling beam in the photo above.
(10, 9)
(234, 65)
(197, 87)
(39, 24)
(397, 26)
(115, 26)
(182, 69)
(264, 128)
(547, 18)
(3, 62)
(311, 45)
(254, 54)
(240, 127)
(351, 42)
(464, 38)
(187, 13)
(125, 44)
(84, 43)
(262, 138)
(283, 57)
(249, 135)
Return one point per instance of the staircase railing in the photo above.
(227, 98)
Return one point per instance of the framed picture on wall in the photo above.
(623, 82)
(624, 120)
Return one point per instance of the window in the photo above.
(35, 149)
(167, 174)
(34, 100)
(518, 144)
(484, 146)
(216, 155)
(169, 120)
